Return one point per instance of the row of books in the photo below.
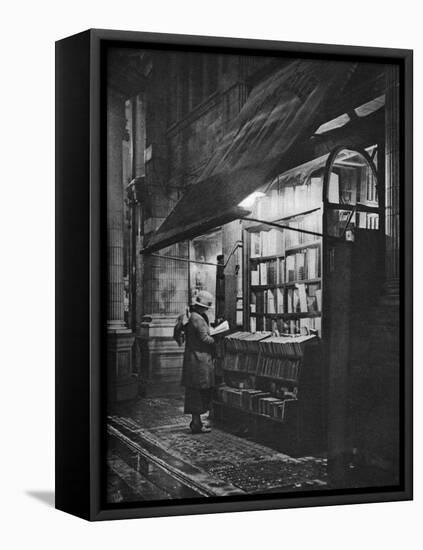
(295, 267)
(309, 222)
(368, 220)
(275, 367)
(267, 301)
(267, 243)
(263, 365)
(240, 362)
(244, 342)
(270, 272)
(303, 265)
(285, 346)
(270, 206)
(257, 401)
(286, 200)
(302, 298)
(300, 326)
(275, 241)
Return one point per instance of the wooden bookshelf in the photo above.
(284, 273)
(267, 389)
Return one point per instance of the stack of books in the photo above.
(230, 396)
(276, 408)
(257, 401)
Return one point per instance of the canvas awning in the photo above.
(280, 112)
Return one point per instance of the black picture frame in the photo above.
(80, 347)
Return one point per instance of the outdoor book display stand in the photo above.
(302, 279)
(268, 393)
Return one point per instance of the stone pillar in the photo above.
(392, 180)
(122, 382)
(165, 297)
(377, 396)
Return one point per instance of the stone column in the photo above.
(377, 396)
(392, 180)
(115, 129)
(121, 379)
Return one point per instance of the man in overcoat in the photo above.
(198, 371)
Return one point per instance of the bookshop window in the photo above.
(285, 264)
(204, 250)
(352, 185)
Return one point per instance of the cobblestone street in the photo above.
(150, 443)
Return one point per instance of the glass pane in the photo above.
(352, 180)
(338, 220)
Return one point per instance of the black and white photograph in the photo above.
(253, 278)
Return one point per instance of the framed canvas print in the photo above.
(234, 284)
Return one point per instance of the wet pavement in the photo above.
(152, 455)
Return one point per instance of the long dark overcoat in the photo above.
(197, 370)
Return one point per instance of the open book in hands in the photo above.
(223, 327)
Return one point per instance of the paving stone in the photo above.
(252, 467)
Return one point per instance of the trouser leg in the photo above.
(196, 421)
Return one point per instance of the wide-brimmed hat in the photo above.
(203, 299)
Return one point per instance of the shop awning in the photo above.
(280, 112)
